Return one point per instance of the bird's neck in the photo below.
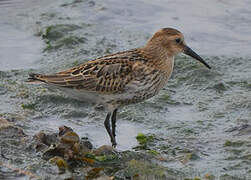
(158, 57)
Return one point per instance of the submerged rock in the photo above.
(9, 130)
(43, 140)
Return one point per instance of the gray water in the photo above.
(201, 107)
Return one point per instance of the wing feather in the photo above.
(109, 74)
(124, 71)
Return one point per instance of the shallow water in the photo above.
(192, 114)
(21, 55)
(20, 49)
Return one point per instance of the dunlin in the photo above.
(125, 77)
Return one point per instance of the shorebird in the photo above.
(123, 78)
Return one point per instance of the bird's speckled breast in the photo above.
(147, 90)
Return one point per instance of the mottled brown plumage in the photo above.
(125, 77)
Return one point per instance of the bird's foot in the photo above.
(114, 143)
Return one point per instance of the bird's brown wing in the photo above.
(109, 74)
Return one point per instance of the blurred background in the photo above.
(203, 113)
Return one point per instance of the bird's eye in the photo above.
(178, 40)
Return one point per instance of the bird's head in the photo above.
(172, 41)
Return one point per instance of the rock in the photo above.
(66, 144)
(104, 150)
(84, 142)
(64, 129)
(47, 139)
(43, 140)
(70, 138)
(9, 130)
(94, 173)
(60, 162)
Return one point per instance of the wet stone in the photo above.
(60, 162)
(9, 130)
(64, 129)
(46, 139)
(70, 138)
(86, 143)
(43, 140)
(67, 146)
(104, 150)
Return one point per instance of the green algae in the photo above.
(166, 98)
(48, 46)
(61, 35)
(70, 41)
(229, 143)
(196, 178)
(55, 32)
(144, 170)
(106, 158)
(144, 140)
(153, 152)
(30, 106)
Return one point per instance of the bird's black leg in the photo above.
(108, 129)
(114, 114)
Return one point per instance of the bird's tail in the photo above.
(34, 79)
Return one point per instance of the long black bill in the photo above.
(190, 52)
